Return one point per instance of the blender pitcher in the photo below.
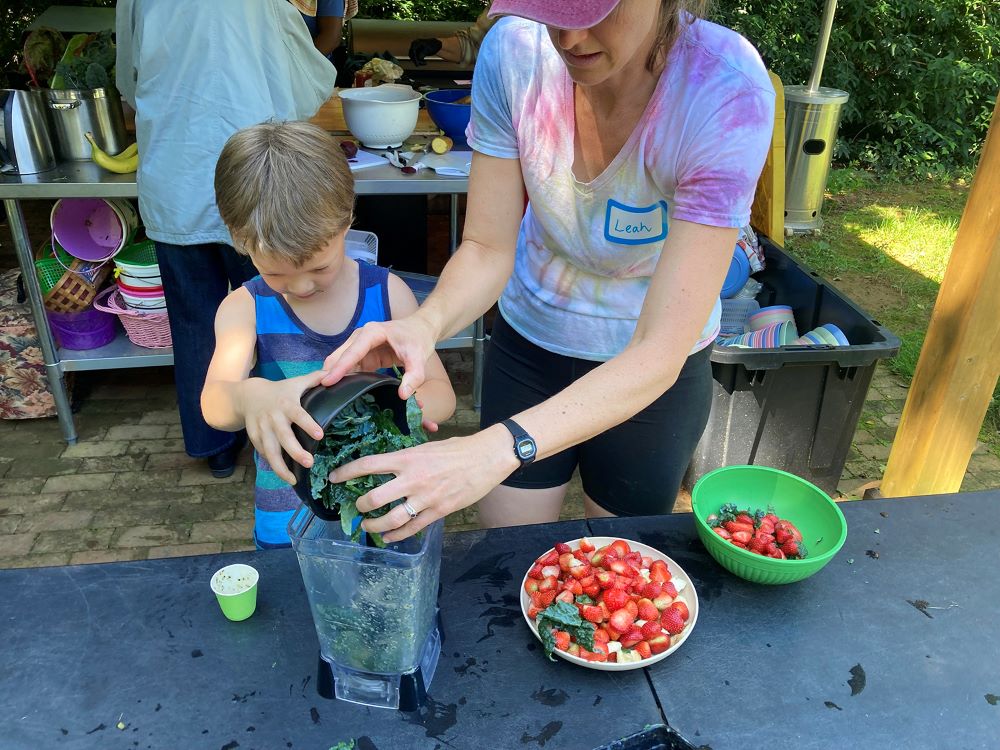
(375, 611)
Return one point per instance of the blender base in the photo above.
(406, 691)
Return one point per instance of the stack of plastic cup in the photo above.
(772, 314)
(770, 336)
(827, 334)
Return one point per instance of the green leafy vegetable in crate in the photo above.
(361, 429)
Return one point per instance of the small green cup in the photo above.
(235, 587)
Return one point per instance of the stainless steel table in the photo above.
(87, 180)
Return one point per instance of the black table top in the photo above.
(889, 651)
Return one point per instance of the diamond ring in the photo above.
(409, 509)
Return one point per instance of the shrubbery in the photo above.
(923, 75)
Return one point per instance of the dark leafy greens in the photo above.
(361, 429)
(563, 616)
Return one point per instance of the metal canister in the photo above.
(812, 118)
(75, 112)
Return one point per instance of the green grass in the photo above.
(886, 243)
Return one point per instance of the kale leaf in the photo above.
(361, 429)
(564, 616)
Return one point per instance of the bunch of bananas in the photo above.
(124, 163)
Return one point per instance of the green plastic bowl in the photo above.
(823, 527)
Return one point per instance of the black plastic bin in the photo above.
(793, 408)
(657, 737)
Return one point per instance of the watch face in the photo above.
(525, 448)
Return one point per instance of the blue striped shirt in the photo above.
(287, 348)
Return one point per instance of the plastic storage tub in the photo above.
(793, 408)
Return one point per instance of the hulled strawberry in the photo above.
(672, 621)
(651, 628)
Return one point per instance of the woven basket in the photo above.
(69, 285)
(151, 330)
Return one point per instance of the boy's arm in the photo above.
(231, 400)
(435, 394)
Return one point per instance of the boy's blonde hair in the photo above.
(284, 189)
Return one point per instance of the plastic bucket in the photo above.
(93, 229)
(149, 299)
(88, 329)
(137, 265)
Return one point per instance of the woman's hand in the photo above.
(269, 409)
(435, 478)
(408, 342)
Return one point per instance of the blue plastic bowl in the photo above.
(450, 117)
(739, 272)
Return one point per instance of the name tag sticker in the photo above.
(629, 225)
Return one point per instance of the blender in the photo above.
(374, 608)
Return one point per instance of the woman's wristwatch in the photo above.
(524, 445)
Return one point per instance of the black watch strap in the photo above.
(524, 445)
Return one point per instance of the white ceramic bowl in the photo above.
(381, 116)
(686, 593)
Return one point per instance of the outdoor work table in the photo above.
(893, 644)
(87, 180)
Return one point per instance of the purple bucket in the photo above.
(82, 330)
(93, 229)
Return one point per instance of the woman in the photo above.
(639, 134)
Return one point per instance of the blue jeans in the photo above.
(196, 278)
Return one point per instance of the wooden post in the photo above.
(960, 360)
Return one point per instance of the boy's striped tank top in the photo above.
(286, 348)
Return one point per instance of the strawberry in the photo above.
(647, 610)
(580, 569)
(565, 596)
(621, 547)
(634, 559)
(613, 657)
(757, 545)
(565, 561)
(601, 636)
(621, 620)
(651, 628)
(573, 586)
(771, 517)
(605, 610)
(549, 558)
(620, 567)
(744, 517)
(593, 590)
(670, 590)
(659, 643)
(644, 649)
(794, 549)
(605, 578)
(623, 582)
(632, 637)
(598, 557)
(632, 608)
(600, 653)
(765, 526)
(662, 601)
(550, 570)
(733, 526)
(659, 571)
(742, 537)
(586, 545)
(562, 548)
(547, 583)
(672, 621)
(613, 634)
(533, 611)
(788, 528)
(777, 555)
(682, 608)
(592, 614)
(646, 562)
(615, 599)
(651, 590)
(562, 639)
(581, 556)
(782, 535)
(722, 532)
(536, 572)
(573, 649)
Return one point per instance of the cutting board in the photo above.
(330, 117)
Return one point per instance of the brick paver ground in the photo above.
(127, 490)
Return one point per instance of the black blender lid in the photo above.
(324, 403)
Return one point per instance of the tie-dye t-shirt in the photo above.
(587, 250)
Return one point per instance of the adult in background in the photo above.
(196, 72)
(462, 47)
(639, 132)
(325, 21)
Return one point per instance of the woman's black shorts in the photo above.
(632, 469)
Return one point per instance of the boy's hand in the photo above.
(269, 410)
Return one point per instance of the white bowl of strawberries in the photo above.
(607, 603)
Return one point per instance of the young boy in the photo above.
(286, 194)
